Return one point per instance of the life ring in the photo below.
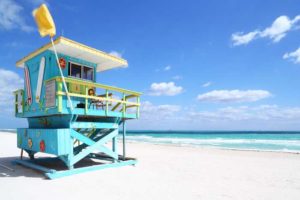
(62, 63)
(42, 146)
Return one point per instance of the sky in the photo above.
(201, 65)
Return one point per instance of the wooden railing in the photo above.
(79, 88)
(19, 101)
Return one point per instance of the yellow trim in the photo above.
(21, 62)
(73, 44)
(92, 84)
(92, 50)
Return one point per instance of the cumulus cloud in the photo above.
(11, 16)
(151, 111)
(10, 81)
(233, 96)
(261, 117)
(164, 88)
(241, 38)
(116, 54)
(262, 112)
(222, 114)
(207, 84)
(278, 30)
(293, 56)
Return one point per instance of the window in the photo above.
(75, 70)
(88, 73)
(80, 71)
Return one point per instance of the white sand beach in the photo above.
(162, 172)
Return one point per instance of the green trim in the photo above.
(59, 96)
(124, 106)
(86, 100)
(16, 103)
(106, 103)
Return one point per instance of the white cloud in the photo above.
(167, 68)
(164, 88)
(233, 96)
(293, 56)
(223, 114)
(10, 81)
(241, 38)
(278, 30)
(207, 84)
(177, 77)
(157, 117)
(116, 54)
(241, 113)
(11, 16)
(148, 110)
(175, 117)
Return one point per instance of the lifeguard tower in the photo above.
(77, 125)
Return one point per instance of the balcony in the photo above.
(88, 99)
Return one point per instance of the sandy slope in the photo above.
(163, 172)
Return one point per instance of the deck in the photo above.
(108, 101)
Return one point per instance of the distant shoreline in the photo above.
(182, 145)
(193, 131)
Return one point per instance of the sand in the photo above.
(163, 172)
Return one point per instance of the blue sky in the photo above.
(229, 65)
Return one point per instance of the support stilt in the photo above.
(124, 135)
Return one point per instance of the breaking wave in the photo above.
(292, 145)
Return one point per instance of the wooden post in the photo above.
(16, 103)
(59, 97)
(124, 105)
(115, 145)
(106, 105)
(21, 156)
(86, 100)
(124, 135)
(23, 101)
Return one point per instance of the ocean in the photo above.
(282, 141)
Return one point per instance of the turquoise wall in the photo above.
(51, 70)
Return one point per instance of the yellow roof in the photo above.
(71, 48)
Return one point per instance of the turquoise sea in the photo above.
(283, 141)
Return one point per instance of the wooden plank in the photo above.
(130, 96)
(131, 106)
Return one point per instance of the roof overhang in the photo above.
(74, 49)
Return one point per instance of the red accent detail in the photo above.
(42, 146)
(62, 63)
